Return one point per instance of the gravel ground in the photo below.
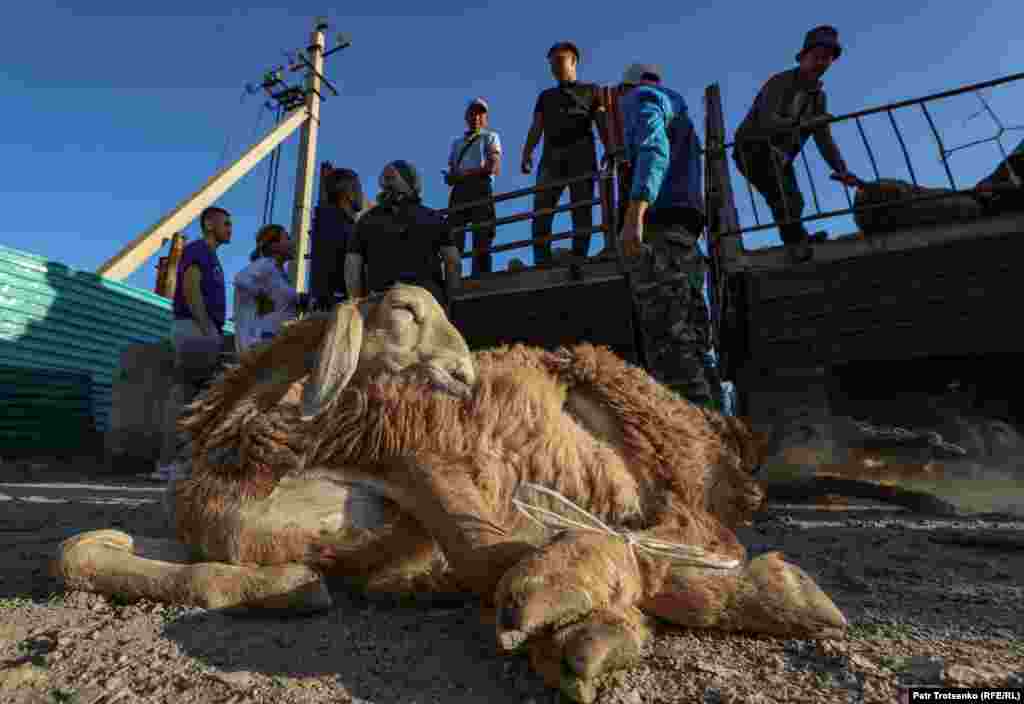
(925, 609)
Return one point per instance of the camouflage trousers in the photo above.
(675, 327)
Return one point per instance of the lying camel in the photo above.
(369, 443)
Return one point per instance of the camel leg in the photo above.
(575, 602)
(269, 553)
(572, 658)
(111, 562)
(767, 595)
(571, 604)
(478, 543)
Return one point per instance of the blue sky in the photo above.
(116, 114)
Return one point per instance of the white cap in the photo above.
(478, 101)
(634, 73)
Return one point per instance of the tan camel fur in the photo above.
(371, 444)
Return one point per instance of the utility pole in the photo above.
(301, 110)
(307, 158)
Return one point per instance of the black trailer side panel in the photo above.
(949, 300)
(598, 312)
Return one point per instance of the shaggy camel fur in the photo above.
(371, 444)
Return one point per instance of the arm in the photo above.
(249, 280)
(647, 134)
(534, 135)
(826, 145)
(600, 114)
(354, 259)
(452, 269)
(278, 287)
(194, 298)
(492, 164)
(354, 275)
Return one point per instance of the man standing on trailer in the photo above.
(794, 99)
(200, 308)
(564, 115)
(401, 241)
(473, 162)
(663, 221)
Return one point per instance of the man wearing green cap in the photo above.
(401, 241)
(792, 99)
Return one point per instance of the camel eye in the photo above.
(408, 310)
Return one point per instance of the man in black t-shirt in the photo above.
(333, 223)
(564, 115)
(401, 241)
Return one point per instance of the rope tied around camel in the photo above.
(678, 553)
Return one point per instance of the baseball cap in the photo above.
(477, 102)
(634, 73)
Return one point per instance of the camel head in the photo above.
(402, 333)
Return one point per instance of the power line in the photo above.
(275, 164)
(227, 140)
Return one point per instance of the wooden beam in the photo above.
(122, 264)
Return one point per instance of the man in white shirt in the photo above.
(473, 162)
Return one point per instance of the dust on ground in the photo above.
(922, 612)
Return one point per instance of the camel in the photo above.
(368, 443)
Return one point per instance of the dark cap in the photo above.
(826, 36)
(564, 46)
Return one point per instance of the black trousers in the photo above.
(558, 164)
(467, 192)
(777, 183)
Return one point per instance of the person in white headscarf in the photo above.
(264, 298)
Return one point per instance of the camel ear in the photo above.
(760, 440)
(337, 359)
(763, 442)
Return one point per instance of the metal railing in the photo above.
(794, 137)
(605, 179)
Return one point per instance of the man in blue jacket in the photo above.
(663, 221)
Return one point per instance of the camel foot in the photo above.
(573, 659)
(113, 563)
(578, 622)
(768, 595)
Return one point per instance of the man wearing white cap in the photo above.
(473, 162)
(664, 219)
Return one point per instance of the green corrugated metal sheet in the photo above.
(44, 409)
(53, 318)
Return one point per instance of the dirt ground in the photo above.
(924, 607)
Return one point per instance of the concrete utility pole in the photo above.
(306, 167)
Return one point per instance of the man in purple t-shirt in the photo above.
(200, 307)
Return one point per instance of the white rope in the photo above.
(674, 552)
(896, 433)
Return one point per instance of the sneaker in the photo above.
(166, 472)
(161, 474)
(799, 253)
